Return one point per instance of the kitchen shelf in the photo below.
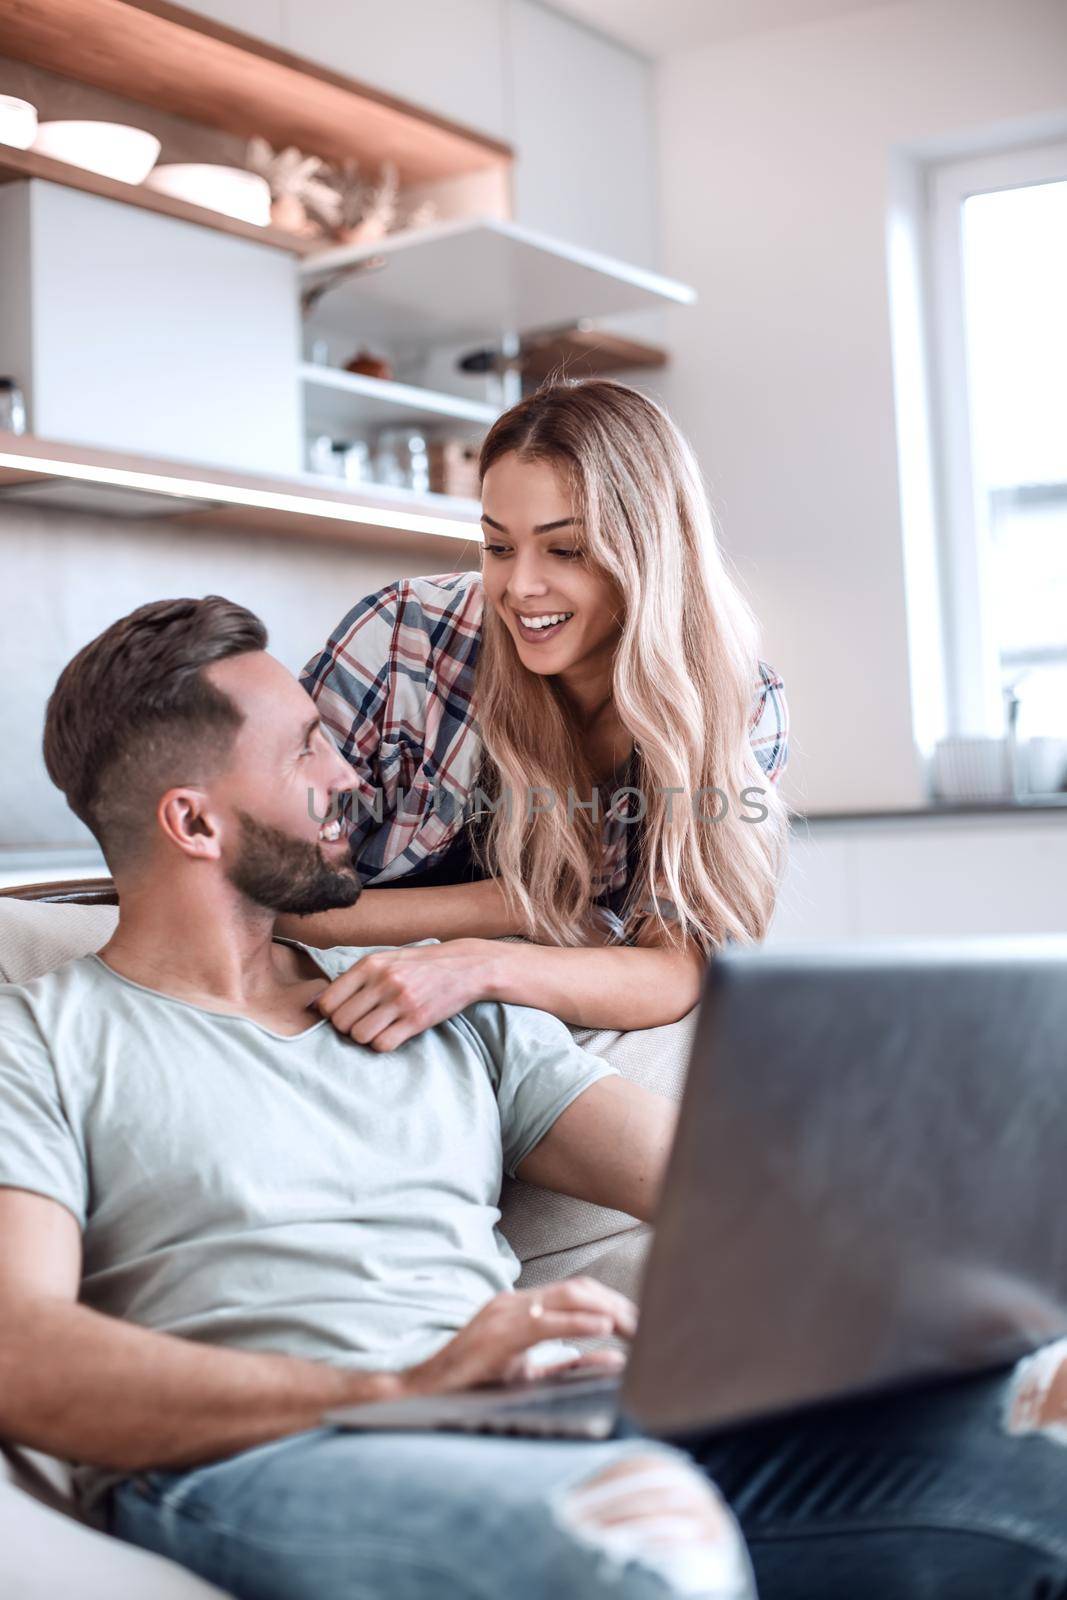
(502, 279)
(16, 164)
(589, 352)
(304, 506)
(339, 403)
(166, 56)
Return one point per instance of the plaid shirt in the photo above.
(394, 685)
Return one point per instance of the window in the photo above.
(999, 266)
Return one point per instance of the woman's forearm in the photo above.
(400, 916)
(598, 988)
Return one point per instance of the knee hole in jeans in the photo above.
(660, 1512)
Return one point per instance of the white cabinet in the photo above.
(149, 334)
(578, 108)
(446, 58)
(934, 877)
(583, 127)
(261, 18)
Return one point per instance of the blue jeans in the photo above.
(919, 1496)
(327, 1515)
(915, 1496)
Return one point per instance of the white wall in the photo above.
(776, 156)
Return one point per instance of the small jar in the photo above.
(390, 459)
(418, 463)
(357, 462)
(321, 455)
(12, 407)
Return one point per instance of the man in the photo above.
(219, 1216)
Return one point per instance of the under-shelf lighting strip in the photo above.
(304, 505)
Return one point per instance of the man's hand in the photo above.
(494, 1346)
(390, 996)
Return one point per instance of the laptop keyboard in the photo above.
(588, 1413)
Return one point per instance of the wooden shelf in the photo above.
(501, 279)
(165, 56)
(336, 402)
(16, 164)
(587, 353)
(305, 506)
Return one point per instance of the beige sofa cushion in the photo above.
(35, 937)
(554, 1236)
(46, 1553)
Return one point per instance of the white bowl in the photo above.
(231, 190)
(109, 148)
(18, 122)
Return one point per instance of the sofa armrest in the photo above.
(46, 1551)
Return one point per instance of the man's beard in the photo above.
(284, 874)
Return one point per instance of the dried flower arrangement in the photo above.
(315, 200)
(298, 188)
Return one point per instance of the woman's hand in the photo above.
(392, 995)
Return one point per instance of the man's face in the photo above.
(284, 776)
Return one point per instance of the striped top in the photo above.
(394, 685)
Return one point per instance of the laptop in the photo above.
(865, 1192)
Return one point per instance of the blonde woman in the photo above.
(579, 744)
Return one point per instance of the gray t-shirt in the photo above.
(305, 1195)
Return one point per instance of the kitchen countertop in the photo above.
(1040, 805)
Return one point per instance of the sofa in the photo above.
(47, 1548)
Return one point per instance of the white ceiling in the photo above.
(656, 27)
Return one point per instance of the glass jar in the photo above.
(401, 460)
(357, 461)
(12, 407)
(418, 463)
(390, 459)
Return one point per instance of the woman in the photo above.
(496, 719)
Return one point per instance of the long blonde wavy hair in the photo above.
(685, 672)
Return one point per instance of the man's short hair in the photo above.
(134, 715)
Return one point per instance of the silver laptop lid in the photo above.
(869, 1180)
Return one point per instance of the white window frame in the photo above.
(972, 668)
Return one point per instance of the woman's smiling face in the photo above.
(560, 612)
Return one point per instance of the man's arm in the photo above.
(610, 1146)
(79, 1384)
(91, 1388)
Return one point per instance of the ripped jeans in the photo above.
(916, 1496)
(327, 1515)
(948, 1492)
